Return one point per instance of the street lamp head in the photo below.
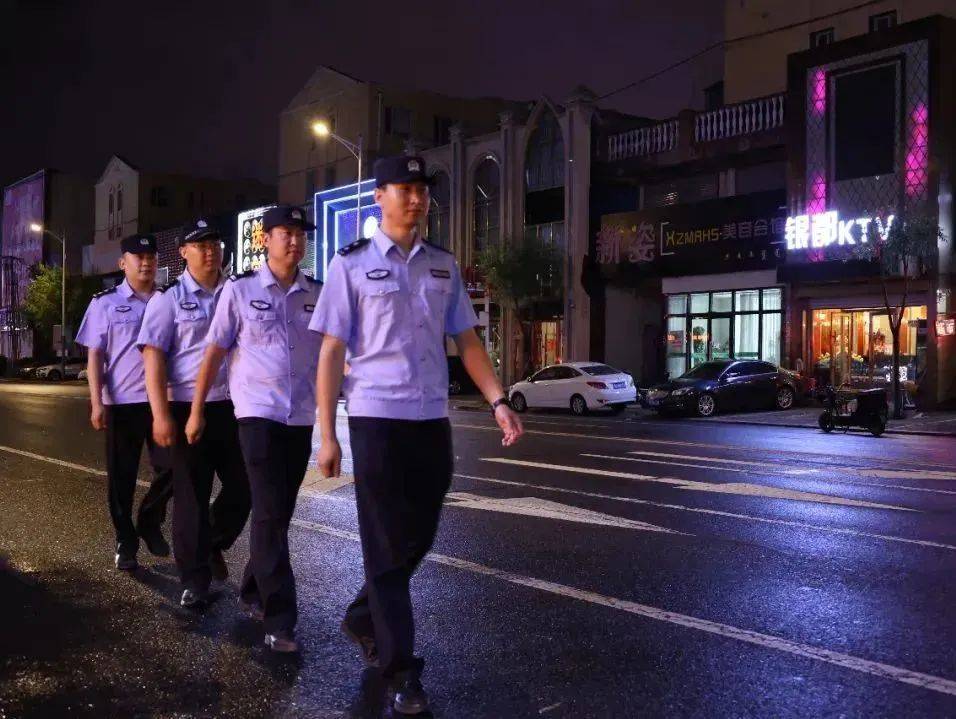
(321, 128)
(36, 227)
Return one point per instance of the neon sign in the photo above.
(822, 229)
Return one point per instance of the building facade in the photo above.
(60, 202)
(130, 200)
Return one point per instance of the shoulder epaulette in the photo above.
(310, 278)
(442, 249)
(167, 286)
(357, 245)
(109, 291)
(241, 275)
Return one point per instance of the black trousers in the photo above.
(402, 472)
(197, 529)
(128, 427)
(276, 457)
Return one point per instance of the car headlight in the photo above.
(682, 391)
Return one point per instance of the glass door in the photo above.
(719, 338)
(699, 340)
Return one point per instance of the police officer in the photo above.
(172, 339)
(388, 303)
(262, 319)
(119, 404)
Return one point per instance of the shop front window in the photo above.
(703, 326)
(855, 347)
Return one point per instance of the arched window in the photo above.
(544, 168)
(439, 230)
(119, 200)
(487, 198)
(111, 205)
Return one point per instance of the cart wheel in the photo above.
(826, 422)
(877, 427)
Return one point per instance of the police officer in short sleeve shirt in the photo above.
(173, 339)
(119, 404)
(262, 323)
(386, 307)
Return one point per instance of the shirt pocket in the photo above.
(191, 326)
(263, 327)
(380, 298)
(126, 324)
(437, 297)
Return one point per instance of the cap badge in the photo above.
(296, 215)
(144, 241)
(201, 223)
(414, 166)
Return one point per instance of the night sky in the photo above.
(196, 87)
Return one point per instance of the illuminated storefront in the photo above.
(250, 240)
(337, 212)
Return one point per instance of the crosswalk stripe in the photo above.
(738, 488)
(713, 512)
(727, 631)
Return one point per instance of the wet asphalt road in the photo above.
(604, 568)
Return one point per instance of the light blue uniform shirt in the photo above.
(176, 321)
(274, 355)
(393, 313)
(110, 325)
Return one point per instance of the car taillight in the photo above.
(597, 385)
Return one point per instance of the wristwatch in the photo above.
(498, 402)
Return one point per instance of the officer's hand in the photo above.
(98, 417)
(194, 427)
(164, 431)
(510, 425)
(329, 459)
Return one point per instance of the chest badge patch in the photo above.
(377, 274)
(309, 308)
(123, 308)
(444, 274)
(261, 304)
(189, 305)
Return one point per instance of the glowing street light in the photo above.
(321, 129)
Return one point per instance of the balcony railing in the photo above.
(644, 141)
(744, 118)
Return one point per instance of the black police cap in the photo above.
(286, 215)
(400, 170)
(197, 231)
(139, 244)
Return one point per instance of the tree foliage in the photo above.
(41, 304)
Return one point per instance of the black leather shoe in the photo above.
(126, 559)
(410, 697)
(193, 599)
(283, 641)
(154, 541)
(217, 565)
(365, 644)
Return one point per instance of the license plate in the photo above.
(620, 385)
(653, 402)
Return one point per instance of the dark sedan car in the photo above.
(723, 385)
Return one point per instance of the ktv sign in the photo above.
(821, 230)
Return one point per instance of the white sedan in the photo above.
(54, 372)
(580, 386)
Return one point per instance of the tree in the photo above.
(909, 249)
(41, 304)
(520, 275)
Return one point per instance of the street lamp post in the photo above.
(35, 227)
(322, 129)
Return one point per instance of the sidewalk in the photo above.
(919, 423)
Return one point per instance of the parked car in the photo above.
(723, 385)
(579, 386)
(54, 373)
(458, 380)
(27, 368)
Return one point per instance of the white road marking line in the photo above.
(714, 512)
(727, 631)
(805, 473)
(738, 488)
(52, 460)
(716, 460)
(677, 443)
(546, 509)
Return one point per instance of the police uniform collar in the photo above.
(192, 286)
(266, 278)
(384, 243)
(126, 289)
